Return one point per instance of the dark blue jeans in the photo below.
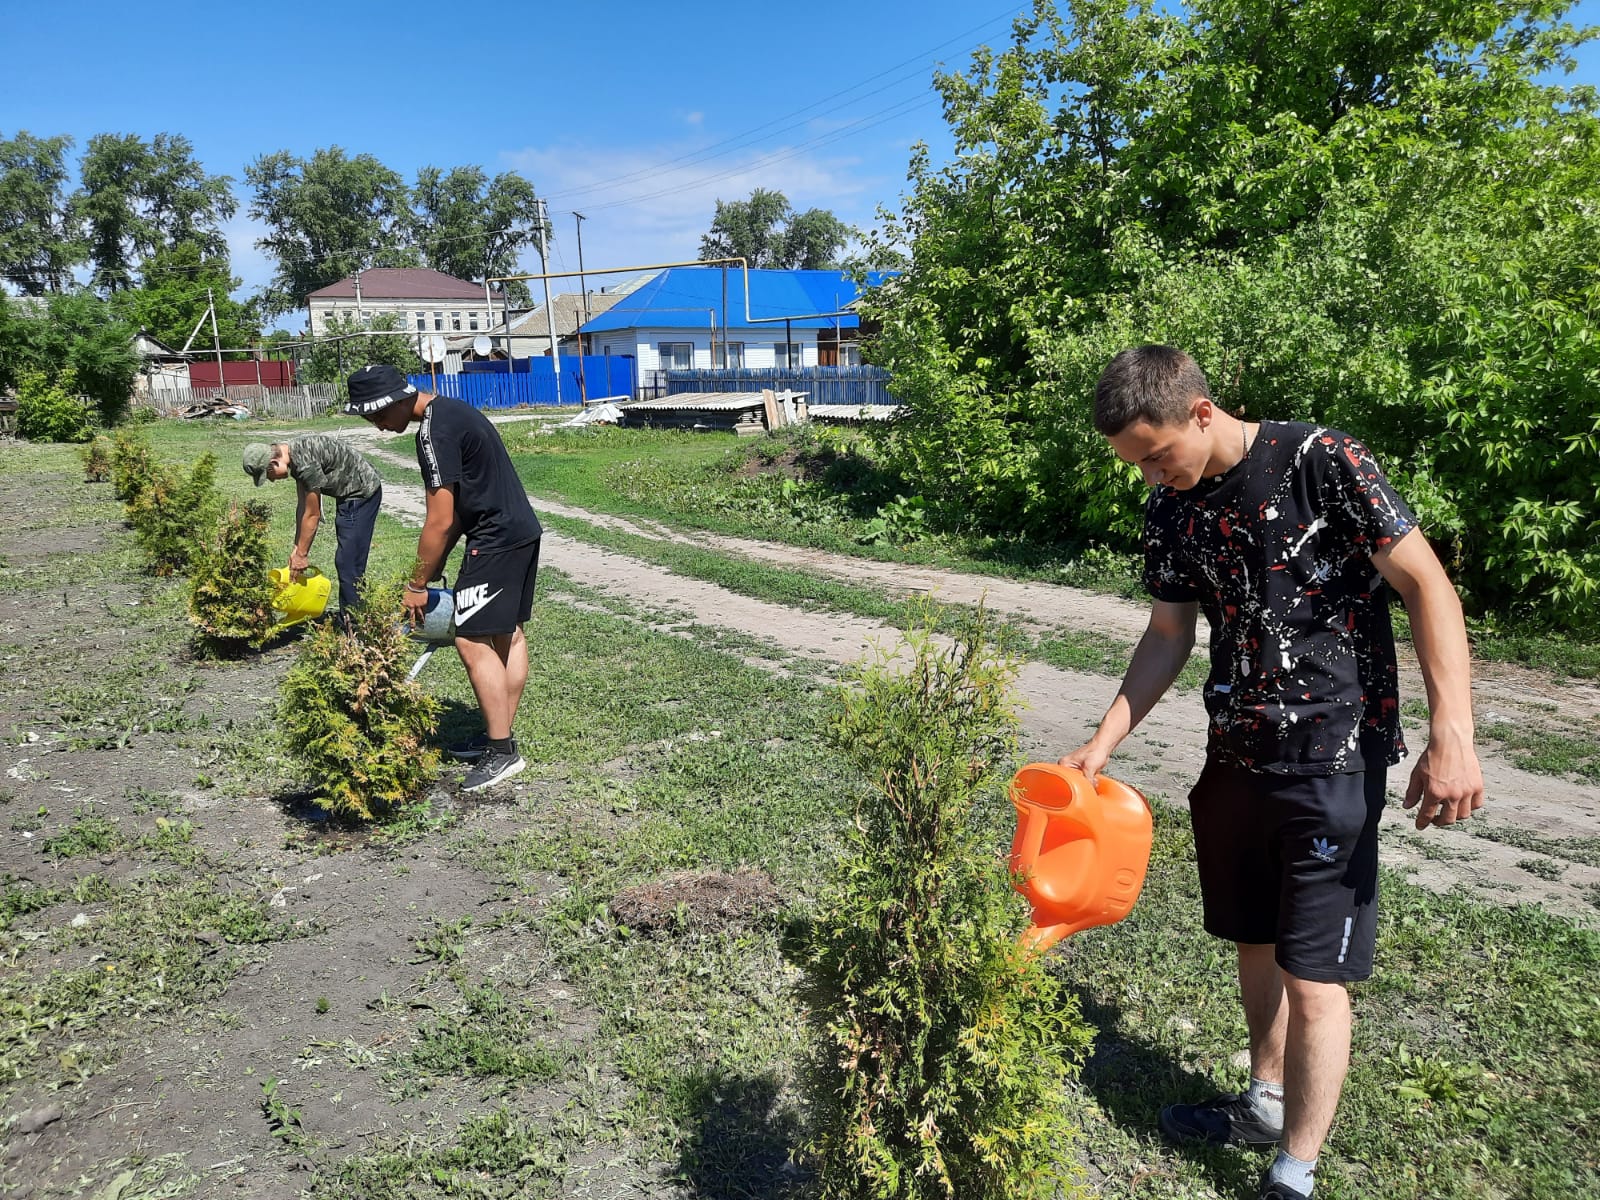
(353, 522)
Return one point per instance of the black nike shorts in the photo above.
(1291, 860)
(494, 592)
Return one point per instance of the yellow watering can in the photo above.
(294, 602)
(1080, 851)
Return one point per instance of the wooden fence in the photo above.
(305, 400)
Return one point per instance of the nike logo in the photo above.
(469, 601)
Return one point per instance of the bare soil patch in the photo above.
(704, 901)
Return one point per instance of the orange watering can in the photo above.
(1080, 852)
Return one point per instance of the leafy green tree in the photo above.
(172, 299)
(333, 358)
(470, 226)
(139, 197)
(327, 217)
(1346, 211)
(38, 247)
(77, 332)
(48, 410)
(766, 232)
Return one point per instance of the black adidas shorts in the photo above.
(494, 592)
(1291, 860)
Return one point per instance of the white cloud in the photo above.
(647, 205)
(695, 118)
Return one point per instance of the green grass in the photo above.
(1547, 752)
(1477, 1064)
(1474, 1069)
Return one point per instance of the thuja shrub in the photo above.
(97, 460)
(941, 1050)
(230, 595)
(173, 512)
(133, 465)
(352, 720)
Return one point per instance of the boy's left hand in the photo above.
(1447, 782)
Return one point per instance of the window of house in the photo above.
(438, 319)
(849, 354)
(422, 321)
(786, 354)
(677, 356)
(455, 322)
(472, 320)
(735, 355)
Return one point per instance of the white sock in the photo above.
(1295, 1172)
(1267, 1099)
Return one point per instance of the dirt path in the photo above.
(1492, 858)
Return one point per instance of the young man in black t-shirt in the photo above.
(1288, 536)
(472, 491)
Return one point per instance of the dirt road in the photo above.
(1539, 840)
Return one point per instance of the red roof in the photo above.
(402, 283)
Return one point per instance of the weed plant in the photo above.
(172, 514)
(350, 717)
(943, 1051)
(230, 595)
(97, 460)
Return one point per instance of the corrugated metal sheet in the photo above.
(698, 402)
(852, 412)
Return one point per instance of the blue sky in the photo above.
(641, 116)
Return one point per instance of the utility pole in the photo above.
(581, 286)
(216, 341)
(583, 290)
(360, 316)
(549, 313)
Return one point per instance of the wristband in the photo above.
(411, 587)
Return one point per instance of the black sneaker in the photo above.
(1222, 1120)
(470, 750)
(1271, 1190)
(494, 767)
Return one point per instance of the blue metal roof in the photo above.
(685, 297)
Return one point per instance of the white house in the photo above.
(426, 302)
(676, 321)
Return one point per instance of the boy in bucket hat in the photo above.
(472, 490)
(325, 466)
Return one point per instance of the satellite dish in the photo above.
(481, 345)
(433, 348)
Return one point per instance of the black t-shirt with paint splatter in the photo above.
(1278, 553)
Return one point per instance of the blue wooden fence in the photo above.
(822, 385)
(533, 381)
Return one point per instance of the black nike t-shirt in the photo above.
(457, 444)
(1278, 553)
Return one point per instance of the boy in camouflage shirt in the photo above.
(325, 466)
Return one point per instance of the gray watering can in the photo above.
(438, 626)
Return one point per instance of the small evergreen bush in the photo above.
(350, 717)
(50, 410)
(172, 514)
(230, 596)
(132, 465)
(97, 461)
(942, 1049)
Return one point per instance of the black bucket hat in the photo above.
(374, 388)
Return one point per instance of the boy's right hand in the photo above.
(1089, 759)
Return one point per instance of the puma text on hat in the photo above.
(374, 388)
